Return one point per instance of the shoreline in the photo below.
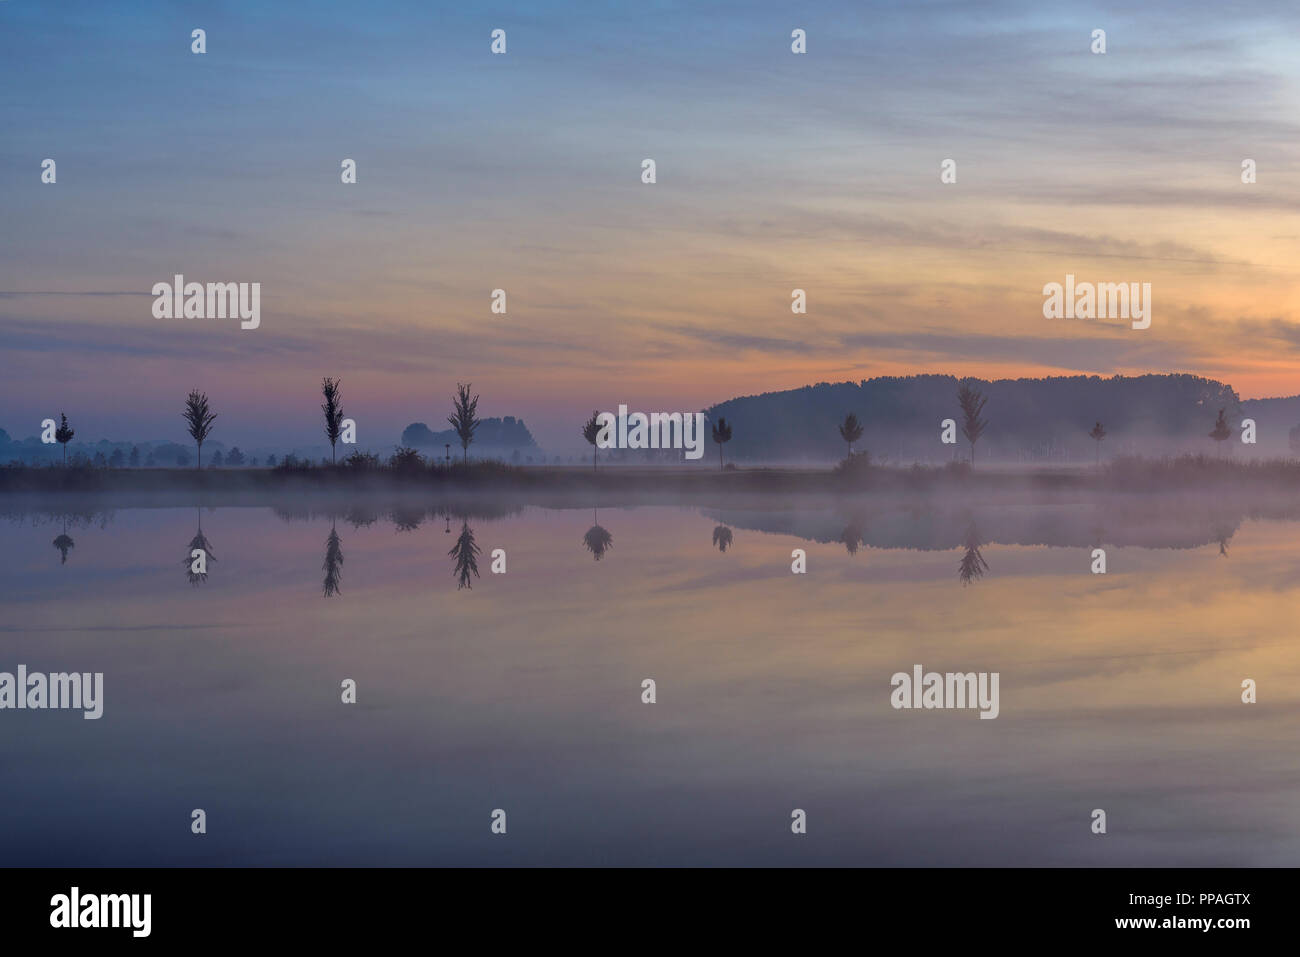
(631, 485)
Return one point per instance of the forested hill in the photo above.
(1045, 419)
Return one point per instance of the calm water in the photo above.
(523, 691)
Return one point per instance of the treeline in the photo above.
(1047, 419)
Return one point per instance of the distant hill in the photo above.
(495, 435)
(1030, 420)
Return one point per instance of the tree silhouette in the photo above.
(134, 458)
(405, 459)
(117, 459)
(721, 434)
(463, 418)
(465, 552)
(234, 457)
(972, 402)
(597, 538)
(590, 432)
(972, 564)
(1293, 439)
(199, 418)
(333, 409)
(722, 537)
(851, 431)
(333, 563)
(1222, 431)
(63, 435)
(1097, 434)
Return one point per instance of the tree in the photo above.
(234, 457)
(1221, 432)
(63, 436)
(100, 462)
(333, 409)
(850, 431)
(182, 458)
(217, 460)
(972, 402)
(1293, 439)
(405, 459)
(463, 418)
(150, 461)
(199, 418)
(1098, 433)
(590, 431)
(721, 434)
(117, 459)
(134, 459)
(270, 461)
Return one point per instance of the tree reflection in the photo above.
(597, 539)
(333, 563)
(722, 537)
(465, 554)
(972, 564)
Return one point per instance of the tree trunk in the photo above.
(719, 456)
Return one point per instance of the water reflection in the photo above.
(465, 557)
(597, 538)
(972, 565)
(722, 537)
(197, 557)
(778, 685)
(851, 537)
(63, 543)
(333, 563)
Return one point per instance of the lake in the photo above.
(523, 691)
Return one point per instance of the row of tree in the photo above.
(464, 420)
(199, 419)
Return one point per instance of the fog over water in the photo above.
(522, 690)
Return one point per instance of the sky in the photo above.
(522, 171)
